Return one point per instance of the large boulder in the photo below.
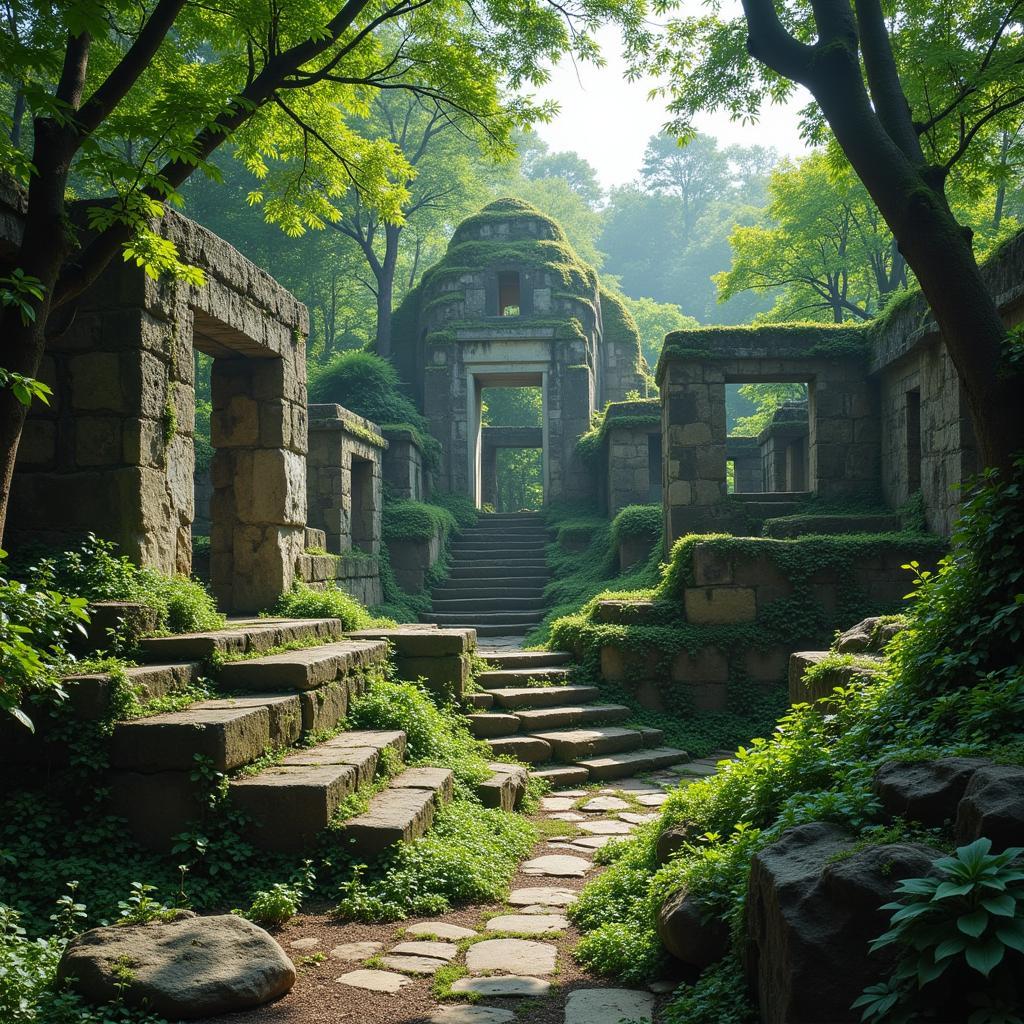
(181, 969)
(689, 933)
(993, 806)
(869, 636)
(812, 908)
(925, 791)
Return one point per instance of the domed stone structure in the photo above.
(512, 304)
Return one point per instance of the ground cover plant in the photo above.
(952, 684)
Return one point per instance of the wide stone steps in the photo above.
(529, 659)
(243, 636)
(478, 620)
(568, 716)
(514, 698)
(472, 593)
(623, 765)
(445, 604)
(504, 678)
(304, 669)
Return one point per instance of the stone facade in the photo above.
(631, 455)
(843, 414)
(404, 466)
(113, 452)
(512, 305)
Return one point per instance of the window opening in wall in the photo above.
(362, 504)
(203, 473)
(771, 418)
(654, 468)
(508, 293)
(913, 441)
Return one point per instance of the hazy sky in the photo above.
(608, 120)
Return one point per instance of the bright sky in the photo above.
(608, 120)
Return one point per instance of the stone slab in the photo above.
(607, 828)
(304, 669)
(617, 766)
(442, 929)
(544, 896)
(424, 947)
(514, 698)
(509, 985)
(411, 964)
(557, 866)
(471, 1015)
(394, 815)
(524, 748)
(568, 816)
(528, 924)
(557, 803)
(354, 951)
(285, 710)
(238, 638)
(562, 776)
(374, 981)
(638, 819)
(608, 1006)
(422, 642)
(511, 956)
(440, 781)
(575, 744)
(651, 799)
(605, 803)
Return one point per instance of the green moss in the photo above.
(637, 521)
(416, 520)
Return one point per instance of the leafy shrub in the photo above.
(34, 628)
(719, 995)
(303, 602)
(470, 854)
(437, 736)
(142, 907)
(460, 506)
(367, 385)
(404, 519)
(273, 907)
(964, 926)
(94, 571)
(637, 521)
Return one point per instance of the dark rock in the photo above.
(925, 791)
(125, 620)
(869, 636)
(993, 806)
(812, 908)
(689, 933)
(183, 969)
(672, 840)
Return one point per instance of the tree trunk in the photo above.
(386, 288)
(936, 248)
(43, 248)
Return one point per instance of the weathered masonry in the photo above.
(113, 452)
(885, 417)
(512, 305)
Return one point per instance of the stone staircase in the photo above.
(498, 574)
(529, 709)
(262, 734)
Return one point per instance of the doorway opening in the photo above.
(511, 446)
(913, 441)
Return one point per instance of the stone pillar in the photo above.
(259, 476)
(488, 473)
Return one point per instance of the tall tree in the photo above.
(694, 173)
(822, 241)
(907, 96)
(133, 97)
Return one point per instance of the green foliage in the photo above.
(952, 685)
(459, 506)
(766, 398)
(469, 855)
(405, 519)
(276, 906)
(435, 735)
(35, 626)
(719, 995)
(642, 521)
(303, 602)
(94, 571)
(141, 906)
(367, 385)
(965, 921)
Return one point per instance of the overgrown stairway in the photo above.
(529, 708)
(262, 734)
(498, 574)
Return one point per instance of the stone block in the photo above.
(236, 425)
(423, 640)
(96, 383)
(38, 445)
(711, 567)
(624, 612)
(717, 605)
(708, 665)
(767, 666)
(446, 676)
(324, 707)
(618, 665)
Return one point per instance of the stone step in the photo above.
(228, 733)
(243, 636)
(402, 812)
(489, 725)
(549, 675)
(505, 788)
(500, 583)
(304, 669)
(520, 533)
(500, 574)
(486, 604)
(574, 745)
(464, 592)
(358, 748)
(772, 509)
(561, 776)
(622, 765)
(502, 629)
(474, 621)
(530, 749)
(514, 698)
(528, 659)
(478, 701)
(571, 715)
(500, 563)
(89, 694)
